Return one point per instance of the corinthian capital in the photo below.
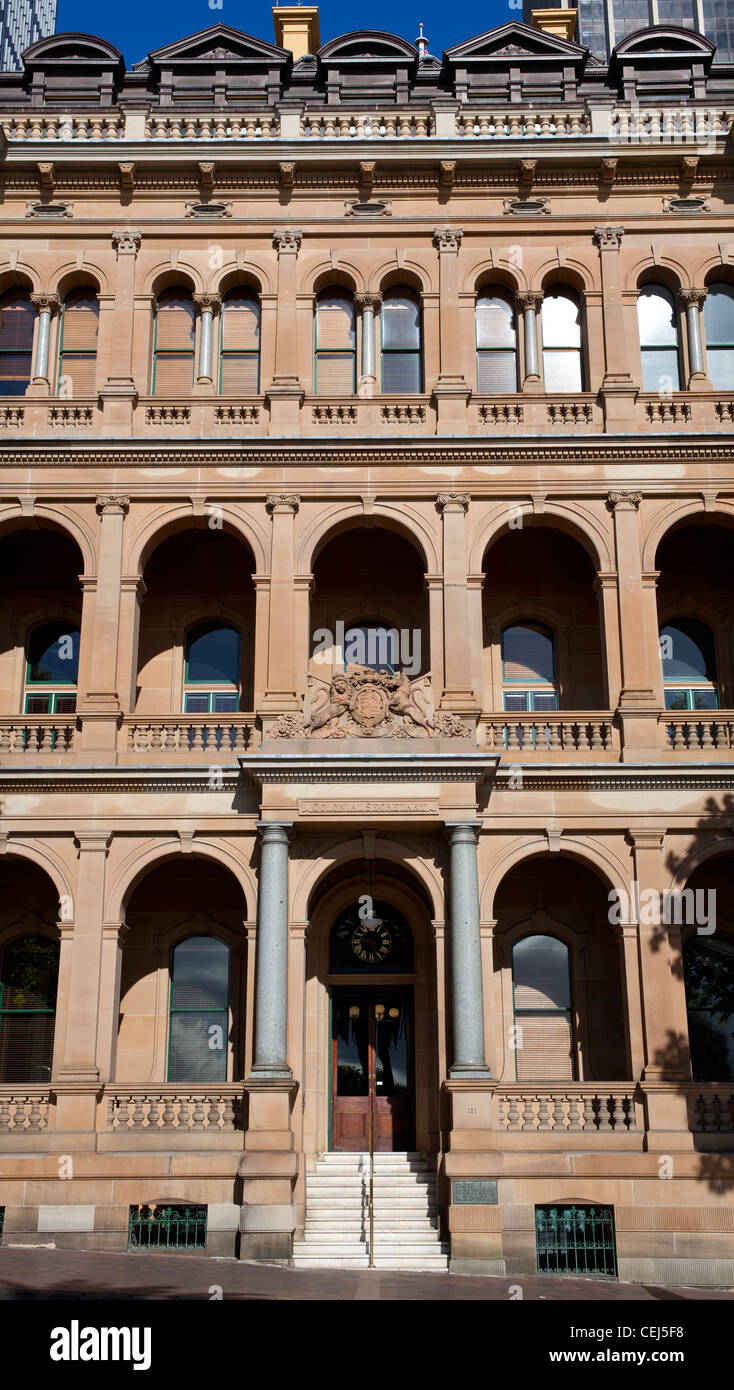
(126, 241)
(368, 300)
(691, 298)
(608, 238)
(45, 303)
(208, 301)
(287, 240)
(448, 238)
(529, 299)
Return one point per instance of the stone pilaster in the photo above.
(119, 394)
(285, 393)
(458, 639)
(451, 392)
(281, 688)
(638, 633)
(99, 703)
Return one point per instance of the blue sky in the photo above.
(137, 26)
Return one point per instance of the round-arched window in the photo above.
(709, 979)
(199, 1018)
(28, 981)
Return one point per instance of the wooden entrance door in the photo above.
(372, 1069)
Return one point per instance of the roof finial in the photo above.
(421, 44)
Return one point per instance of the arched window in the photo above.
(373, 645)
(382, 942)
(528, 668)
(212, 674)
(17, 319)
(709, 979)
(402, 351)
(718, 322)
(560, 318)
(52, 668)
(78, 346)
(175, 333)
(688, 653)
(496, 343)
(199, 1024)
(657, 316)
(239, 355)
(28, 978)
(335, 366)
(542, 1006)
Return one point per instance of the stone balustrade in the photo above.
(30, 734)
(557, 732)
(25, 1110)
(561, 1110)
(172, 1109)
(190, 735)
(707, 731)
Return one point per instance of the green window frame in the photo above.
(538, 1011)
(496, 343)
(58, 696)
(211, 696)
(184, 1065)
(16, 359)
(411, 352)
(180, 355)
(84, 356)
(328, 382)
(36, 1034)
(719, 333)
(695, 690)
(539, 693)
(248, 357)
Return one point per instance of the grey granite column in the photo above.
(530, 301)
(466, 954)
(692, 301)
(271, 954)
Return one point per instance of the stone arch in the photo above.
(713, 847)
(722, 511)
(501, 271)
(45, 857)
(577, 520)
(13, 518)
(607, 866)
(20, 274)
(570, 272)
(162, 275)
(140, 861)
(323, 273)
(345, 851)
(326, 527)
(408, 272)
(70, 276)
(166, 520)
(665, 264)
(251, 273)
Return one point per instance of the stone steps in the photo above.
(405, 1214)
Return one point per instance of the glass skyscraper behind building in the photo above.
(22, 22)
(602, 23)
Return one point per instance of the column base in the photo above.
(269, 1071)
(470, 1071)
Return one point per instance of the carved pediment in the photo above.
(362, 703)
(80, 49)
(219, 46)
(369, 45)
(513, 40)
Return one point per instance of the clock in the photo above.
(371, 942)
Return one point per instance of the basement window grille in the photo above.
(167, 1228)
(575, 1240)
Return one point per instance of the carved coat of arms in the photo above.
(362, 703)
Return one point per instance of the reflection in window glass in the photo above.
(496, 344)
(657, 317)
(542, 1009)
(402, 365)
(199, 1010)
(28, 982)
(718, 321)
(561, 330)
(709, 981)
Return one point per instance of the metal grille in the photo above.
(167, 1228)
(575, 1240)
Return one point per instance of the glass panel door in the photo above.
(372, 1069)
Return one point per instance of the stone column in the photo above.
(451, 393)
(618, 388)
(638, 637)
(691, 302)
(466, 954)
(206, 304)
(285, 392)
(458, 640)
(119, 394)
(269, 1165)
(367, 303)
(99, 703)
(605, 585)
(272, 955)
(77, 1080)
(45, 305)
(132, 593)
(529, 303)
(281, 691)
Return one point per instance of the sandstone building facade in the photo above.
(366, 508)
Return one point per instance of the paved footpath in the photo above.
(73, 1274)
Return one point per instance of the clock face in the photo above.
(371, 942)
